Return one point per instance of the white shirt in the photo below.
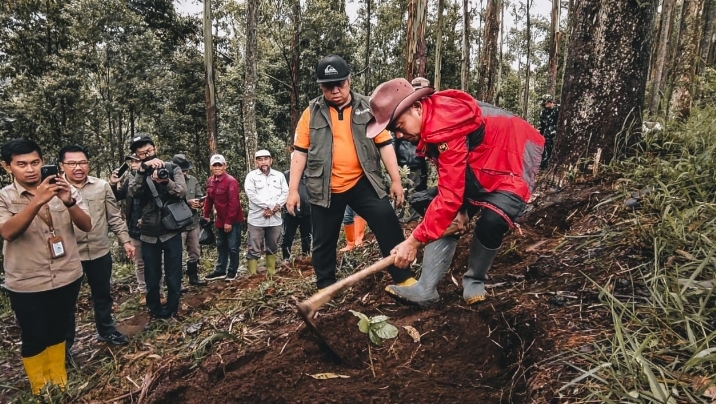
(265, 191)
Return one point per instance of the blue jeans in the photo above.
(227, 245)
(348, 216)
(152, 257)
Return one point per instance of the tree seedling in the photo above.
(376, 327)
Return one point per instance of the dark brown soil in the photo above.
(491, 353)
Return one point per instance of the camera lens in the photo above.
(163, 173)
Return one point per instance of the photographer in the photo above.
(157, 240)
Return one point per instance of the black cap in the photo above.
(139, 141)
(132, 156)
(332, 68)
(182, 162)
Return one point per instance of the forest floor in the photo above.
(244, 342)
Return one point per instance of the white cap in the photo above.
(262, 153)
(217, 159)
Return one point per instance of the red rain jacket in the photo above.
(484, 155)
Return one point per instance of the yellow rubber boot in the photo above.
(253, 266)
(350, 237)
(35, 369)
(55, 370)
(359, 229)
(271, 264)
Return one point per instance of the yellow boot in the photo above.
(271, 264)
(359, 230)
(253, 266)
(350, 237)
(35, 369)
(55, 371)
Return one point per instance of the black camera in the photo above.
(162, 172)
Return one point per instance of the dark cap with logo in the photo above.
(332, 68)
(139, 141)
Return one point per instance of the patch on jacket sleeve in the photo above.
(442, 147)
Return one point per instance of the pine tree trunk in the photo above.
(498, 87)
(366, 61)
(416, 52)
(708, 37)
(553, 47)
(605, 79)
(660, 56)
(528, 65)
(210, 89)
(565, 57)
(439, 46)
(465, 67)
(250, 133)
(295, 66)
(488, 59)
(686, 61)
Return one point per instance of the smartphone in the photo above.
(123, 169)
(48, 171)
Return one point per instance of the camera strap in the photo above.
(153, 188)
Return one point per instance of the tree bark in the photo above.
(250, 133)
(210, 89)
(465, 66)
(416, 52)
(553, 47)
(295, 67)
(439, 46)
(366, 74)
(660, 56)
(498, 86)
(528, 66)
(605, 80)
(686, 61)
(488, 58)
(708, 37)
(570, 29)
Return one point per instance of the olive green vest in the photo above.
(320, 153)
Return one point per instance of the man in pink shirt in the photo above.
(222, 194)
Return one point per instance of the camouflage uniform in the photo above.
(548, 129)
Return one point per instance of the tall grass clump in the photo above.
(663, 348)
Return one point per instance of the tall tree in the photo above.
(528, 62)
(707, 50)
(498, 86)
(488, 59)
(416, 50)
(249, 110)
(295, 66)
(465, 65)
(660, 56)
(439, 46)
(553, 47)
(366, 61)
(211, 112)
(605, 79)
(686, 61)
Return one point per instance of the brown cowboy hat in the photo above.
(391, 99)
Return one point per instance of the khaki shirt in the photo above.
(106, 216)
(29, 267)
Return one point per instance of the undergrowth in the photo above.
(662, 347)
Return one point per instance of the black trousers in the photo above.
(292, 223)
(44, 316)
(377, 212)
(99, 275)
(171, 250)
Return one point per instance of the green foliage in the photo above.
(662, 347)
(376, 327)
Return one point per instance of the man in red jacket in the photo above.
(487, 161)
(222, 193)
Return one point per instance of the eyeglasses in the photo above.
(73, 164)
(332, 84)
(147, 153)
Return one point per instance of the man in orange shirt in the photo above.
(342, 168)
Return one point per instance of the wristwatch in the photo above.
(71, 204)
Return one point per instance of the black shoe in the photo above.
(231, 277)
(195, 281)
(116, 338)
(215, 276)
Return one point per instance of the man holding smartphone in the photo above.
(94, 245)
(43, 286)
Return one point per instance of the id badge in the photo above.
(57, 247)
